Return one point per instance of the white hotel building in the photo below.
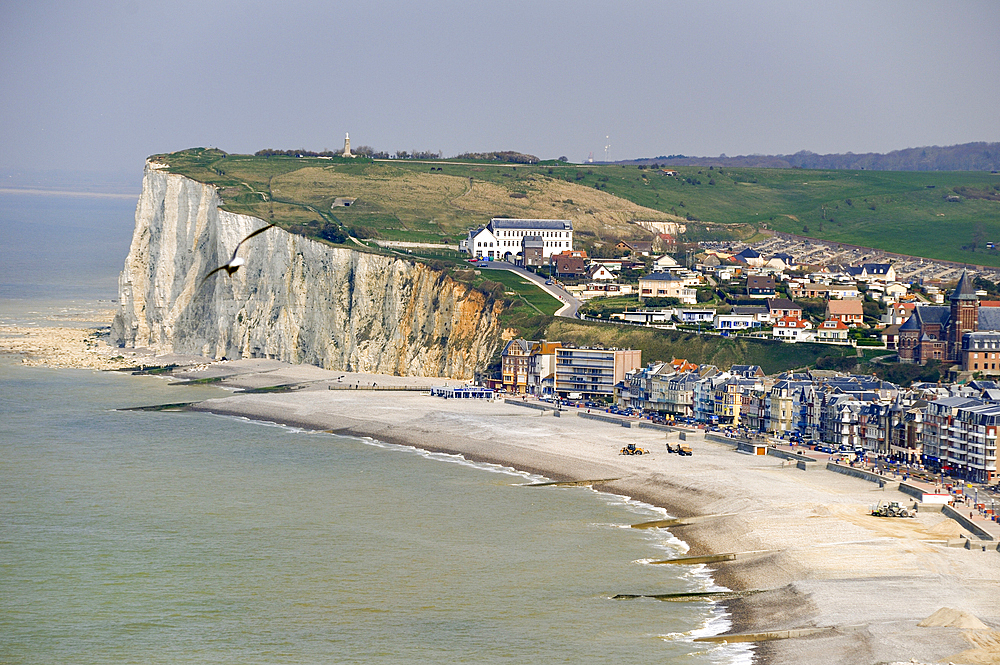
(503, 238)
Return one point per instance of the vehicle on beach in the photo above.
(891, 509)
(631, 449)
(680, 449)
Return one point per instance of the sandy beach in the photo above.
(805, 543)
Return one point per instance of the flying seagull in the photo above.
(235, 262)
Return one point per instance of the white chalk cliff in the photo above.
(296, 299)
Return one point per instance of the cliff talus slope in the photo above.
(295, 300)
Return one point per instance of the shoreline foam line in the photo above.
(722, 619)
(755, 505)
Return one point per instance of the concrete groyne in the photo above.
(606, 419)
(530, 405)
(879, 479)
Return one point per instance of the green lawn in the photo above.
(529, 293)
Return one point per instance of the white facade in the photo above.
(503, 238)
(734, 321)
(664, 262)
(791, 329)
(695, 315)
(480, 243)
(600, 272)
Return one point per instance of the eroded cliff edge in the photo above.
(296, 299)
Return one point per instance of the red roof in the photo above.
(791, 322)
(681, 365)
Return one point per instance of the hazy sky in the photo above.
(99, 86)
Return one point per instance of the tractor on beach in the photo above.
(631, 449)
(891, 509)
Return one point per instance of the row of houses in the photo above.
(951, 429)
(868, 273)
(783, 315)
(877, 280)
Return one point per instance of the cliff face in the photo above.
(295, 300)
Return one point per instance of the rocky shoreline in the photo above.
(83, 345)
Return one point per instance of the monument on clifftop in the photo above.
(347, 146)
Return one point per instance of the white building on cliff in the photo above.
(503, 238)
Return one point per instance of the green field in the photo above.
(905, 212)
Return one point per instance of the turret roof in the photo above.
(964, 289)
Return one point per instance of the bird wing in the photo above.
(257, 232)
(235, 251)
(205, 279)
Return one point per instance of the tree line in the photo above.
(505, 156)
(980, 156)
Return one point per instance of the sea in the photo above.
(131, 536)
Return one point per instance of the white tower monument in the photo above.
(347, 146)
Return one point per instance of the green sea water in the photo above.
(166, 537)
(161, 537)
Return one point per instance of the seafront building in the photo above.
(528, 367)
(951, 429)
(544, 368)
(593, 372)
(948, 429)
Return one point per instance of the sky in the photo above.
(96, 87)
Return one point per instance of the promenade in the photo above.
(973, 508)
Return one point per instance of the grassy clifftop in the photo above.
(404, 200)
(909, 212)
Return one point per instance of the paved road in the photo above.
(570, 305)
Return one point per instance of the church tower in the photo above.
(964, 315)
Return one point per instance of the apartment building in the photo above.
(592, 371)
(528, 367)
